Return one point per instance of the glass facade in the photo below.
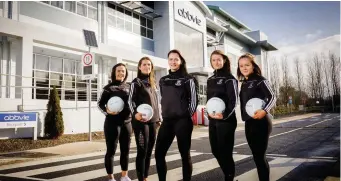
(65, 74)
(83, 8)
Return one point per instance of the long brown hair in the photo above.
(227, 64)
(113, 72)
(183, 67)
(151, 75)
(256, 69)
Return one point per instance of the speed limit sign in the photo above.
(87, 59)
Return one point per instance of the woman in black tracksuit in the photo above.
(179, 102)
(223, 125)
(257, 127)
(117, 126)
(143, 91)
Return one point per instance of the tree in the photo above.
(335, 73)
(299, 77)
(286, 81)
(318, 77)
(274, 77)
(54, 125)
(311, 80)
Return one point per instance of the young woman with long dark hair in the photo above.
(258, 126)
(222, 84)
(179, 100)
(117, 126)
(143, 91)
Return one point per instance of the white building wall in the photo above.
(36, 35)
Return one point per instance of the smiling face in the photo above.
(174, 61)
(145, 67)
(217, 61)
(245, 66)
(120, 73)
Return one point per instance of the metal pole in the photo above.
(89, 109)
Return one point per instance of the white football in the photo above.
(146, 110)
(253, 105)
(115, 104)
(215, 105)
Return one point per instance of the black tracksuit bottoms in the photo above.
(257, 135)
(113, 133)
(182, 129)
(221, 135)
(145, 134)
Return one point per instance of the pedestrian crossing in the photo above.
(91, 167)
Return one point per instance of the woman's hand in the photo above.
(138, 116)
(112, 113)
(259, 114)
(216, 116)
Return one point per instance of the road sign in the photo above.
(87, 59)
(88, 66)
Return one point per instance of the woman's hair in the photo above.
(256, 68)
(151, 75)
(183, 68)
(113, 72)
(227, 63)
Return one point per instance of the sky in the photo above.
(296, 29)
(287, 23)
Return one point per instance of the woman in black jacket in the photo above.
(179, 100)
(143, 91)
(117, 126)
(223, 125)
(257, 127)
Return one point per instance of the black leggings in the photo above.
(182, 129)
(114, 133)
(145, 134)
(257, 135)
(221, 134)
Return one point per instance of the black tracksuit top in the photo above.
(256, 87)
(119, 89)
(141, 92)
(179, 98)
(224, 86)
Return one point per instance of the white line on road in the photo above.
(287, 132)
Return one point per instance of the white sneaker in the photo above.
(126, 178)
(112, 179)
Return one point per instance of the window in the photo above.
(211, 32)
(63, 73)
(58, 4)
(70, 6)
(81, 9)
(124, 19)
(1, 5)
(84, 8)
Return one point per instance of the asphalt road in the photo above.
(302, 150)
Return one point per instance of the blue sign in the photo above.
(18, 117)
(290, 101)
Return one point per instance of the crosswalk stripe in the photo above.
(117, 169)
(52, 160)
(278, 168)
(64, 167)
(199, 167)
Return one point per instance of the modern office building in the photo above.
(41, 45)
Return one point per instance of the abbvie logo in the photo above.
(17, 118)
(186, 15)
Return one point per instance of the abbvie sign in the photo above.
(185, 14)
